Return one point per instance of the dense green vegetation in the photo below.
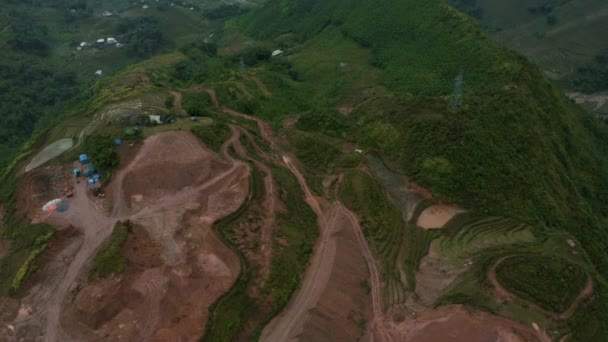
(110, 259)
(103, 152)
(196, 104)
(31, 96)
(298, 226)
(329, 122)
(315, 152)
(29, 241)
(143, 36)
(213, 135)
(551, 282)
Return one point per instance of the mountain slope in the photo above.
(515, 147)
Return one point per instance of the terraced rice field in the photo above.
(469, 233)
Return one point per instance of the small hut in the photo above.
(84, 159)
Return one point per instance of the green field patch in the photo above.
(110, 259)
(468, 233)
(197, 104)
(28, 243)
(213, 135)
(315, 152)
(383, 226)
(551, 282)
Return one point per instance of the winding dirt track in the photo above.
(287, 325)
(270, 201)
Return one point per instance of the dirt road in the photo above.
(378, 327)
(96, 228)
(264, 127)
(288, 324)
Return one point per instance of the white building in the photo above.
(99, 72)
(155, 118)
(277, 53)
(111, 40)
(101, 40)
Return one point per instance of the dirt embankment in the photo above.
(458, 324)
(436, 216)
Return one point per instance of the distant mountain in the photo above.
(566, 38)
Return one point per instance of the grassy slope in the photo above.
(109, 259)
(516, 148)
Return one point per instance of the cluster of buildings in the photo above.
(87, 170)
(100, 43)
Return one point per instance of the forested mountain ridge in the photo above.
(50, 53)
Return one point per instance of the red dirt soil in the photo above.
(180, 267)
(454, 323)
(436, 216)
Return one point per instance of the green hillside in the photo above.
(515, 147)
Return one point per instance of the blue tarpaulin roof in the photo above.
(117, 141)
(84, 158)
(91, 182)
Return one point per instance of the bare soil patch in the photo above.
(167, 163)
(434, 277)
(344, 309)
(345, 110)
(436, 216)
(38, 187)
(457, 324)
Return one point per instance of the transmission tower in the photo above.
(456, 102)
